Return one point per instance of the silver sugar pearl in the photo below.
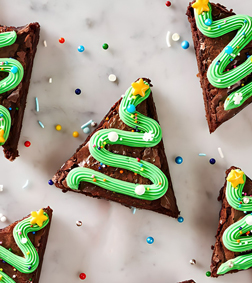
(78, 223)
(245, 200)
(192, 261)
(93, 124)
(230, 264)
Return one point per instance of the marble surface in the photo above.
(110, 246)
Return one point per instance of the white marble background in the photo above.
(110, 246)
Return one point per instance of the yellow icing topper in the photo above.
(38, 217)
(201, 6)
(1, 277)
(235, 177)
(139, 87)
(1, 135)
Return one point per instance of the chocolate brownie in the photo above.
(38, 240)
(156, 155)
(228, 216)
(207, 49)
(23, 50)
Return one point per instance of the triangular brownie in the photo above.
(22, 247)
(20, 45)
(145, 156)
(218, 58)
(235, 225)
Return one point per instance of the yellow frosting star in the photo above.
(235, 177)
(38, 217)
(1, 135)
(201, 6)
(139, 87)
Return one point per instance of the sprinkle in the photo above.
(212, 161)
(175, 37)
(86, 124)
(133, 210)
(107, 118)
(62, 40)
(26, 184)
(185, 44)
(1, 188)
(180, 219)
(93, 176)
(150, 240)
(77, 91)
(112, 78)
(27, 144)
(105, 46)
(50, 182)
(178, 159)
(168, 39)
(50, 80)
(202, 154)
(23, 240)
(93, 124)
(3, 218)
(168, 3)
(220, 152)
(86, 130)
(121, 171)
(58, 127)
(45, 44)
(78, 223)
(192, 261)
(82, 276)
(36, 104)
(81, 48)
(75, 134)
(104, 180)
(41, 124)
(94, 180)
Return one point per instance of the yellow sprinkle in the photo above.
(237, 47)
(132, 131)
(134, 97)
(135, 121)
(1, 269)
(251, 59)
(75, 134)
(135, 174)
(132, 116)
(58, 127)
(14, 269)
(94, 180)
(142, 169)
(104, 180)
(121, 171)
(238, 241)
(104, 143)
(28, 253)
(209, 28)
(147, 189)
(241, 232)
(242, 84)
(107, 118)
(1, 277)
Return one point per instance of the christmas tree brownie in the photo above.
(17, 50)
(22, 247)
(124, 160)
(232, 250)
(222, 42)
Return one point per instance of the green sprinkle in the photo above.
(208, 273)
(105, 46)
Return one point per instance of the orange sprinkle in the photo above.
(135, 174)
(101, 146)
(104, 180)
(135, 114)
(107, 118)
(238, 241)
(247, 233)
(159, 183)
(237, 47)
(94, 180)
(132, 131)
(121, 171)
(241, 232)
(2, 69)
(135, 121)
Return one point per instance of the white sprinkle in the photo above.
(3, 218)
(202, 154)
(23, 240)
(45, 44)
(175, 37)
(41, 124)
(112, 77)
(26, 184)
(219, 80)
(1, 188)
(50, 80)
(133, 210)
(121, 139)
(220, 152)
(168, 39)
(14, 276)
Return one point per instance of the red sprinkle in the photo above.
(62, 40)
(82, 276)
(27, 144)
(168, 3)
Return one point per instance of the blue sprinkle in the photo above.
(178, 159)
(180, 219)
(231, 59)
(6, 63)
(229, 49)
(99, 147)
(208, 22)
(10, 108)
(239, 199)
(202, 154)
(37, 104)
(185, 44)
(101, 163)
(240, 228)
(50, 182)
(41, 124)
(219, 26)
(248, 56)
(212, 161)
(245, 21)
(239, 206)
(99, 168)
(14, 69)
(133, 210)
(131, 108)
(29, 267)
(4, 261)
(141, 165)
(243, 33)
(1, 115)
(33, 233)
(78, 91)
(81, 48)
(150, 240)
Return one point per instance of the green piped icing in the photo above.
(234, 237)
(5, 278)
(149, 135)
(5, 124)
(216, 73)
(10, 82)
(30, 261)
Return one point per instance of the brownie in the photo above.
(39, 240)
(228, 216)
(188, 281)
(23, 50)
(207, 49)
(166, 205)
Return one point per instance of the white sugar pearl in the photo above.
(113, 136)
(140, 190)
(112, 77)
(175, 37)
(3, 218)
(249, 220)
(230, 264)
(23, 240)
(245, 200)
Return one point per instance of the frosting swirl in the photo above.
(149, 134)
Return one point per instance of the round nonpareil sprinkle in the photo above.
(112, 78)
(86, 130)
(58, 127)
(150, 240)
(180, 219)
(78, 223)
(212, 161)
(168, 3)
(81, 48)
(50, 182)
(178, 159)
(62, 40)
(175, 37)
(75, 134)
(105, 46)
(27, 144)
(185, 44)
(192, 261)
(78, 91)
(82, 276)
